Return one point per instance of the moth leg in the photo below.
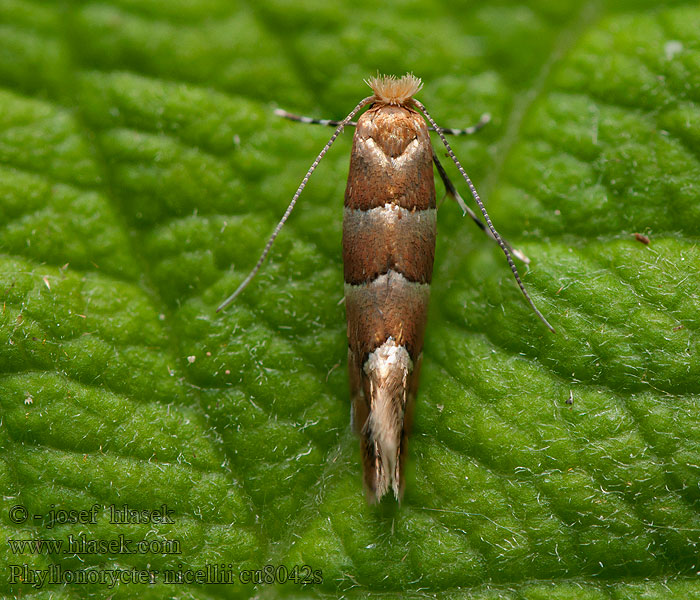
(451, 191)
(311, 121)
(359, 410)
(449, 186)
(485, 118)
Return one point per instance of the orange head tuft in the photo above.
(390, 90)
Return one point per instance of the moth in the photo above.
(389, 230)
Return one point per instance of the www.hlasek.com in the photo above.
(79, 545)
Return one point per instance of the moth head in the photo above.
(389, 89)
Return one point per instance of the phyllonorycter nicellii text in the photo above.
(389, 230)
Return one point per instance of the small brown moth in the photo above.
(389, 230)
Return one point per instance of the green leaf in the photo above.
(141, 171)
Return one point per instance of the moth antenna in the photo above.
(496, 235)
(287, 212)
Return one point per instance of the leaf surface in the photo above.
(141, 171)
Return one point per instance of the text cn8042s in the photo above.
(389, 230)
